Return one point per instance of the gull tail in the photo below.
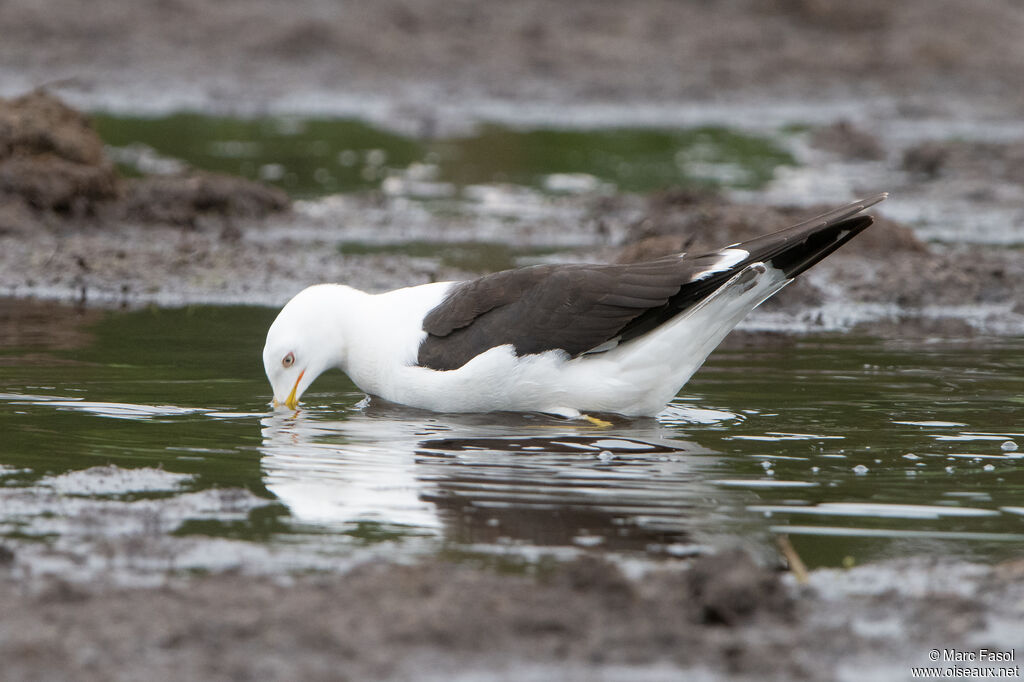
(797, 248)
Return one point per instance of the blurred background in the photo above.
(435, 57)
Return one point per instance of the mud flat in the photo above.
(436, 63)
(73, 228)
(723, 617)
(893, 96)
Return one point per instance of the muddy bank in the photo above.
(885, 276)
(72, 228)
(721, 616)
(426, 62)
(55, 173)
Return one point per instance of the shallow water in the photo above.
(311, 157)
(857, 448)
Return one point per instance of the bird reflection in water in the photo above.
(479, 481)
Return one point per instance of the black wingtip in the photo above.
(818, 245)
(797, 248)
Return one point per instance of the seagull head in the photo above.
(301, 345)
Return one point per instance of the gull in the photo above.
(562, 339)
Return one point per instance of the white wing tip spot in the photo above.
(728, 258)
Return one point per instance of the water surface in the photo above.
(311, 157)
(857, 448)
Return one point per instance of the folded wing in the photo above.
(587, 308)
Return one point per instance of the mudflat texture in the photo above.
(722, 618)
(238, 52)
(887, 89)
(922, 98)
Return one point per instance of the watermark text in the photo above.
(976, 664)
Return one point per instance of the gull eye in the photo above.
(289, 360)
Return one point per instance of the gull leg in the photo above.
(596, 422)
(570, 413)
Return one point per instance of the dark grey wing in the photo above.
(469, 300)
(574, 308)
(580, 308)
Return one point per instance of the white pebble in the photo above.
(860, 469)
(1008, 446)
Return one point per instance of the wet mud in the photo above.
(721, 617)
(416, 58)
(54, 172)
(74, 229)
(873, 78)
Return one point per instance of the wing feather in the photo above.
(583, 308)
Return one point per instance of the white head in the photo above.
(302, 343)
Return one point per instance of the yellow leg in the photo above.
(597, 422)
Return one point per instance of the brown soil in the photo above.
(53, 168)
(966, 160)
(701, 221)
(237, 53)
(850, 142)
(50, 158)
(184, 199)
(723, 617)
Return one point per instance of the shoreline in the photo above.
(721, 615)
